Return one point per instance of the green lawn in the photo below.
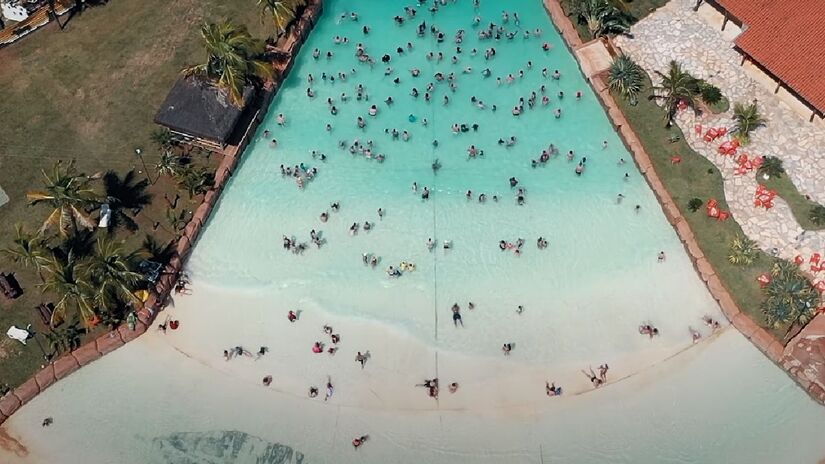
(696, 177)
(90, 93)
(800, 205)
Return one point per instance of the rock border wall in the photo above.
(106, 343)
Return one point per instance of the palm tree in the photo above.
(626, 77)
(601, 18)
(111, 274)
(677, 86)
(28, 250)
(771, 167)
(125, 194)
(66, 279)
(280, 12)
(67, 192)
(790, 297)
(233, 59)
(747, 119)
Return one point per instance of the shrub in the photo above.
(771, 167)
(626, 77)
(694, 204)
(817, 215)
(743, 251)
(790, 299)
(710, 93)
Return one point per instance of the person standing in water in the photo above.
(330, 389)
(457, 315)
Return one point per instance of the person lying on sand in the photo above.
(594, 379)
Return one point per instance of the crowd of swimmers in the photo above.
(508, 28)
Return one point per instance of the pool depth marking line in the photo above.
(435, 237)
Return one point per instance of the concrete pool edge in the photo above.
(782, 356)
(111, 341)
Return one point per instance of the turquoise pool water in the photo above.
(584, 295)
(175, 398)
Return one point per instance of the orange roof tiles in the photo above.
(786, 37)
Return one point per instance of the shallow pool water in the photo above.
(723, 403)
(172, 398)
(583, 296)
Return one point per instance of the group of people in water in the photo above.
(431, 385)
(446, 84)
(441, 79)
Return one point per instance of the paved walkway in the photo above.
(3, 197)
(675, 32)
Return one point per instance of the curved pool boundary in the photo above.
(780, 355)
(159, 295)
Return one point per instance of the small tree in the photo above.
(626, 77)
(169, 164)
(747, 119)
(678, 87)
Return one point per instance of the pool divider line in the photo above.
(159, 295)
(780, 354)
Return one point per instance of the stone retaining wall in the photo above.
(106, 343)
(763, 340)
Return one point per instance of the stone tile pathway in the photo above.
(3, 197)
(675, 32)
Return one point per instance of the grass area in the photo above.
(636, 9)
(696, 177)
(800, 205)
(90, 93)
